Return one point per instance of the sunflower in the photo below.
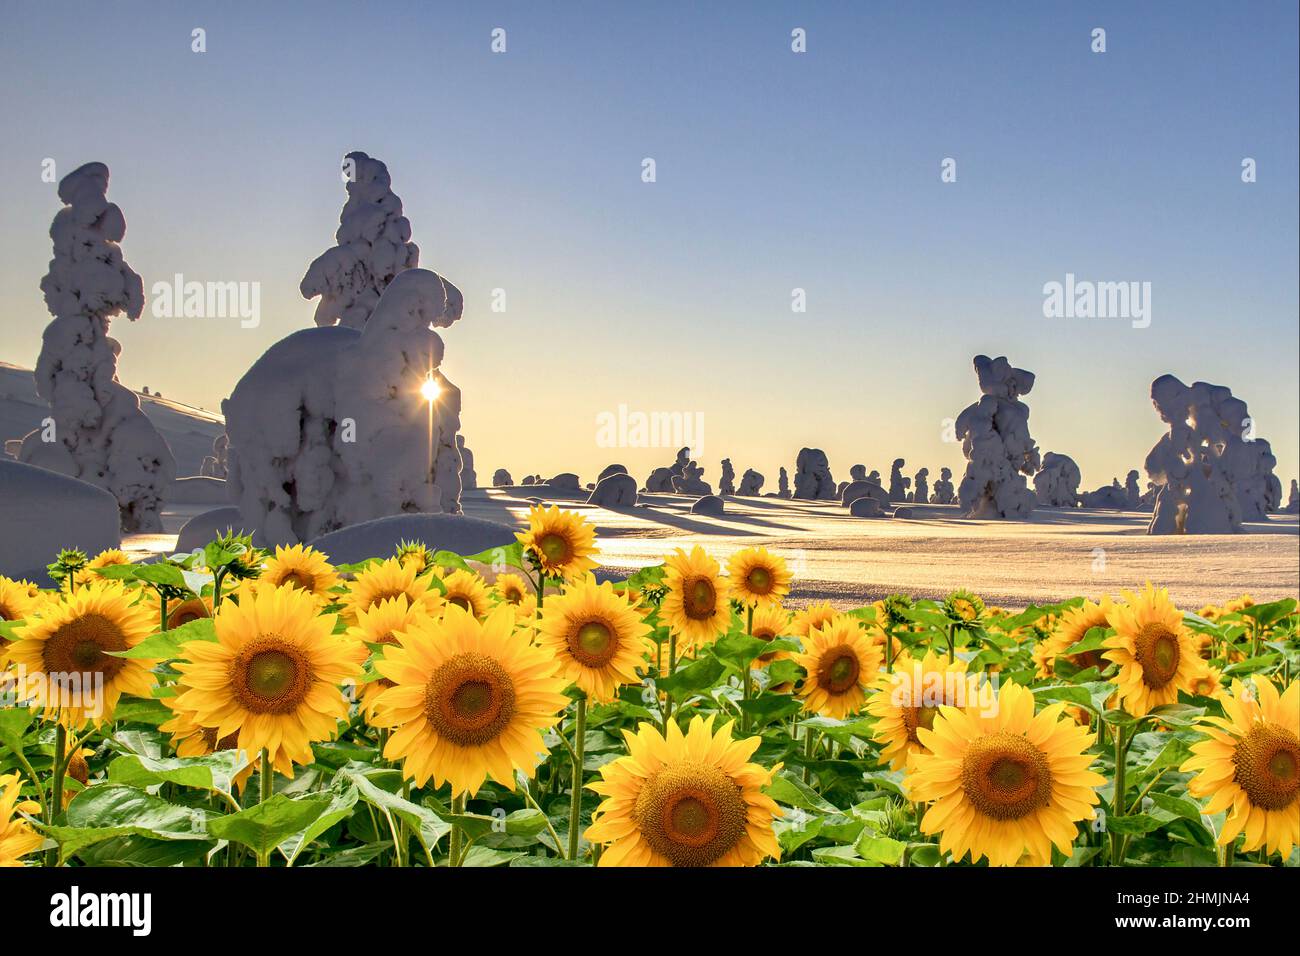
(189, 739)
(511, 589)
(1072, 627)
(469, 700)
(841, 662)
(467, 590)
(1210, 612)
(690, 799)
(302, 567)
(191, 609)
(108, 558)
(1250, 766)
(272, 676)
(17, 600)
(771, 621)
(383, 624)
(561, 541)
(597, 637)
(388, 579)
(1208, 682)
(963, 608)
(813, 616)
(908, 700)
(1239, 604)
(414, 553)
(1156, 654)
(17, 838)
(758, 577)
(69, 645)
(1004, 784)
(695, 606)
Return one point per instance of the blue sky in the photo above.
(775, 170)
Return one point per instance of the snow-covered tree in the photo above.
(100, 435)
(374, 245)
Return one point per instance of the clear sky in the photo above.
(775, 171)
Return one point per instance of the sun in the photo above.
(430, 389)
(685, 800)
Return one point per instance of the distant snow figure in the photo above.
(897, 483)
(1111, 497)
(1293, 500)
(100, 434)
(858, 473)
(215, 465)
(727, 483)
(943, 490)
(468, 477)
(292, 473)
(374, 245)
(921, 492)
(501, 478)
(995, 438)
(812, 476)
(751, 484)
(661, 479)
(1131, 490)
(783, 484)
(1057, 483)
(1211, 472)
(691, 481)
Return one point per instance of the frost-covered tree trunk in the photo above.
(100, 435)
(374, 245)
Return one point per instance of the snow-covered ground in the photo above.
(848, 560)
(188, 430)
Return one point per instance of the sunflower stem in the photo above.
(453, 851)
(162, 611)
(672, 666)
(56, 788)
(1117, 801)
(575, 803)
(266, 784)
(952, 642)
(745, 677)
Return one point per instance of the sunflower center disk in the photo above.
(270, 676)
(700, 599)
(759, 580)
(691, 813)
(1156, 648)
(461, 602)
(1268, 766)
(469, 700)
(555, 548)
(593, 644)
(79, 647)
(300, 580)
(1006, 777)
(915, 718)
(839, 669)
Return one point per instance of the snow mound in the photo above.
(42, 513)
(198, 490)
(616, 490)
(380, 537)
(204, 527)
(709, 505)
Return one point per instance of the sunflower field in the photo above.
(236, 708)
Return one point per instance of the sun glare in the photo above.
(430, 389)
